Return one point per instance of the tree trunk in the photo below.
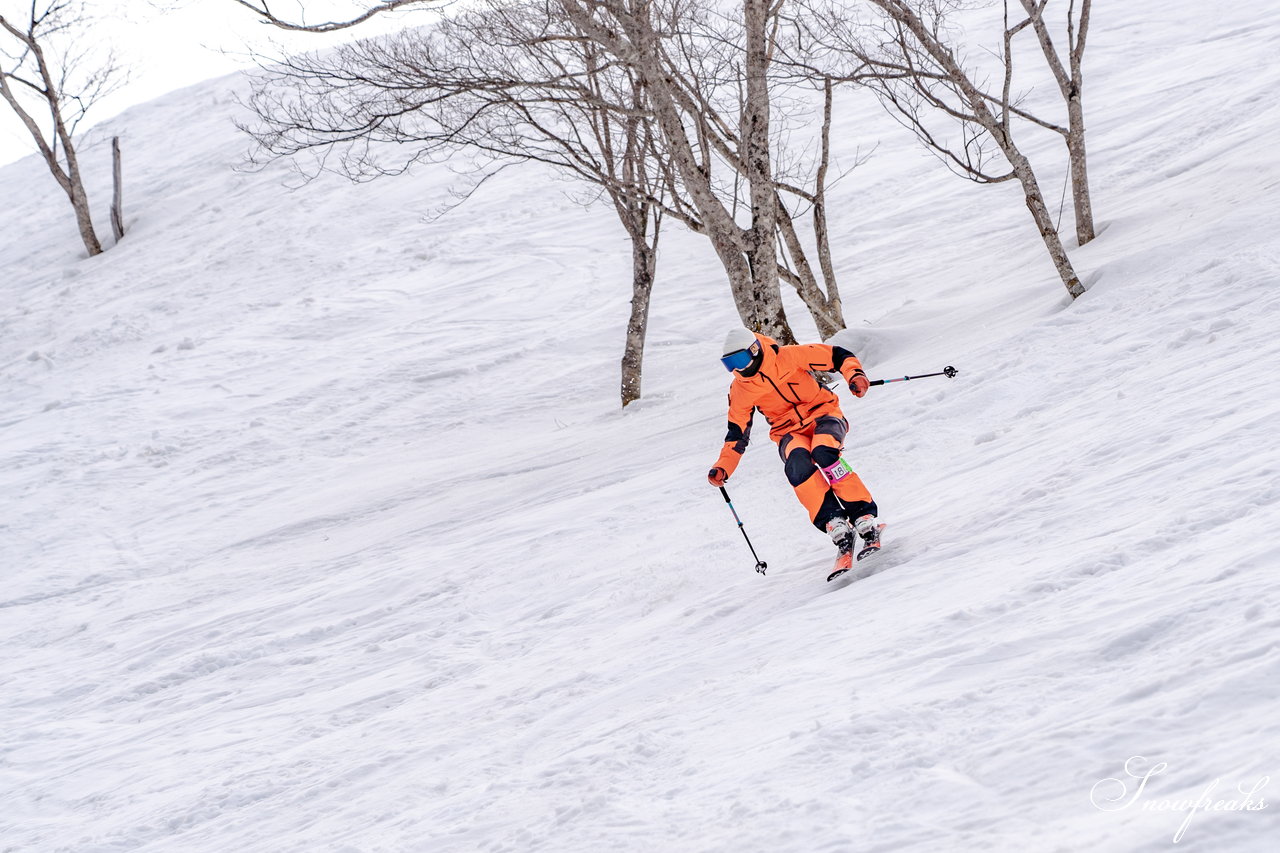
(1044, 222)
(766, 314)
(761, 248)
(69, 179)
(759, 305)
(80, 203)
(820, 231)
(117, 195)
(1080, 199)
(977, 102)
(644, 259)
(75, 182)
(1071, 86)
(753, 273)
(826, 313)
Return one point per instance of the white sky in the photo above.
(169, 45)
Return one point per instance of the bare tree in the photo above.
(822, 298)
(1070, 80)
(522, 81)
(492, 81)
(909, 59)
(363, 11)
(45, 81)
(729, 103)
(684, 80)
(707, 111)
(727, 108)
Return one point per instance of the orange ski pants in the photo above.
(817, 445)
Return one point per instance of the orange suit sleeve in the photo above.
(741, 413)
(826, 357)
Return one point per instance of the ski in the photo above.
(844, 559)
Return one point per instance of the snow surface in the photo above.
(322, 530)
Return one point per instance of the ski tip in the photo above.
(835, 575)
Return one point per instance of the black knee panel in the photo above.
(799, 466)
(825, 456)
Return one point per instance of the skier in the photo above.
(806, 422)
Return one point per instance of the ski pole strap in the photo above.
(948, 371)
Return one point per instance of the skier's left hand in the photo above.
(858, 383)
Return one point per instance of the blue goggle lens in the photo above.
(736, 360)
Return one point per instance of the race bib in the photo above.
(838, 471)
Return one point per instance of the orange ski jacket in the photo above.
(785, 391)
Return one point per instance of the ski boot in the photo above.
(842, 534)
(869, 531)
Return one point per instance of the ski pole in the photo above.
(948, 371)
(761, 565)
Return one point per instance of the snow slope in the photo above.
(322, 532)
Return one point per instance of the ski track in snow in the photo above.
(322, 531)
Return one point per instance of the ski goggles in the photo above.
(739, 359)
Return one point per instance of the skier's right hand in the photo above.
(717, 476)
